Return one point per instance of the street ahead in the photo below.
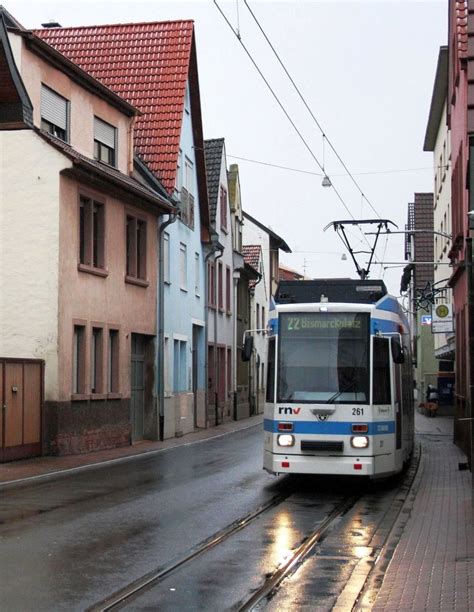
(69, 544)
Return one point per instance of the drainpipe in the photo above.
(216, 387)
(161, 328)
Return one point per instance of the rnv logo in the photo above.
(288, 410)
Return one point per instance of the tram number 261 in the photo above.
(357, 411)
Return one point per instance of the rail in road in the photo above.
(137, 592)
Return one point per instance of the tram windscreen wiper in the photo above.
(334, 397)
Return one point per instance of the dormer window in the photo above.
(54, 113)
(105, 139)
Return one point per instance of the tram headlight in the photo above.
(286, 440)
(359, 441)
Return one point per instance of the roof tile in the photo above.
(145, 63)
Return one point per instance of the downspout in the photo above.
(161, 328)
(255, 355)
(216, 387)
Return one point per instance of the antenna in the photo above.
(339, 227)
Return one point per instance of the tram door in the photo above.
(397, 378)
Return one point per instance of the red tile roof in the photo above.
(145, 63)
(252, 254)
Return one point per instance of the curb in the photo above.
(57, 474)
(368, 594)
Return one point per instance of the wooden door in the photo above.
(21, 398)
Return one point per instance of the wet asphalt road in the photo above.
(68, 544)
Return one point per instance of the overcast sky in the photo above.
(366, 70)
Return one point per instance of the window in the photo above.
(211, 275)
(180, 365)
(54, 113)
(264, 323)
(197, 273)
(187, 99)
(221, 288)
(228, 290)
(166, 364)
(183, 267)
(113, 362)
(271, 371)
(78, 359)
(223, 204)
(136, 248)
(91, 233)
(229, 371)
(323, 358)
(257, 318)
(381, 372)
(96, 359)
(105, 136)
(187, 198)
(179, 180)
(166, 258)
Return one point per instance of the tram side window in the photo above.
(381, 372)
(271, 371)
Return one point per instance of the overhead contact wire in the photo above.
(309, 109)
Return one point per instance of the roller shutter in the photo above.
(104, 133)
(54, 108)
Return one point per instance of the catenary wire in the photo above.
(308, 108)
(280, 104)
(300, 170)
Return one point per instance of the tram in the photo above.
(340, 381)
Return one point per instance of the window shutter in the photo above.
(104, 133)
(53, 108)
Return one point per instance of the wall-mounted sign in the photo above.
(426, 319)
(442, 319)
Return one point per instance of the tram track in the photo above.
(297, 557)
(152, 578)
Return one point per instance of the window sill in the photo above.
(139, 282)
(113, 396)
(103, 272)
(229, 313)
(221, 310)
(98, 396)
(183, 289)
(224, 229)
(79, 397)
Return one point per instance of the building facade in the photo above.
(79, 244)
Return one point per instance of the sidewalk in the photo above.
(17, 473)
(432, 567)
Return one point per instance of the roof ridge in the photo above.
(114, 25)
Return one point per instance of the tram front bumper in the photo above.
(311, 464)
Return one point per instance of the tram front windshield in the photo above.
(323, 358)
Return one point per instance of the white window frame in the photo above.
(183, 266)
(197, 273)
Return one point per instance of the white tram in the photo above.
(340, 382)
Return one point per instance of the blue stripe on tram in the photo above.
(335, 428)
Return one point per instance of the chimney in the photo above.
(51, 24)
